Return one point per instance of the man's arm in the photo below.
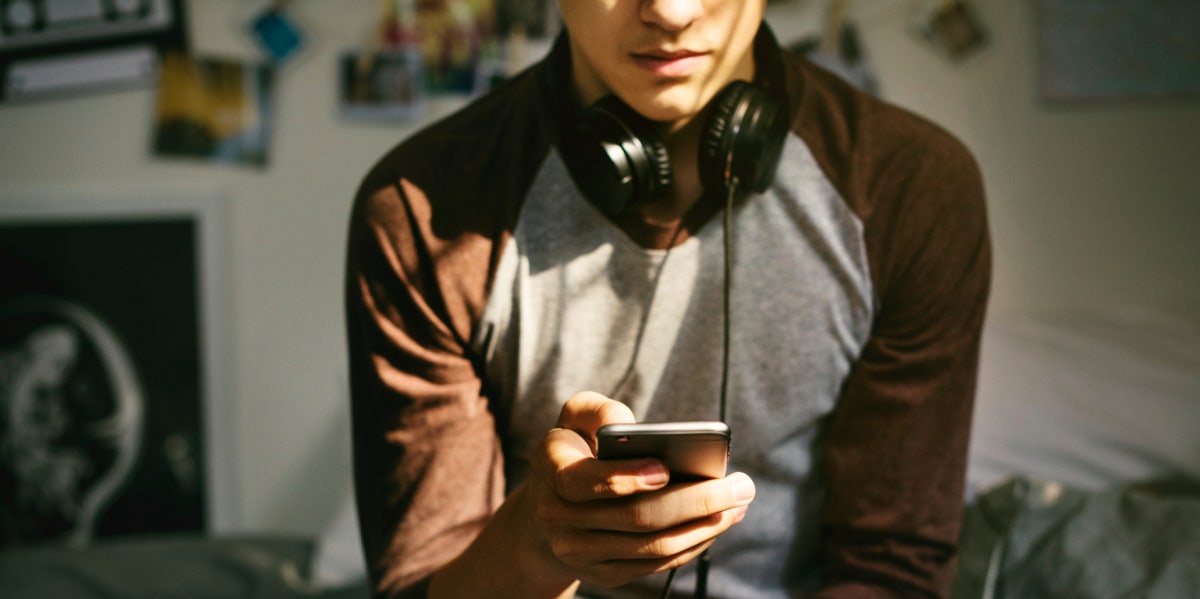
(896, 450)
(428, 463)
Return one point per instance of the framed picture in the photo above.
(114, 415)
(1091, 50)
(50, 48)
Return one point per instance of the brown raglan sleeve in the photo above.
(896, 450)
(427, 460)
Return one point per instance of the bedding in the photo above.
(175, 566)
(1028, 539)
(1084, 471)
(1082, 483)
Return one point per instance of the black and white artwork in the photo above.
(102, 428)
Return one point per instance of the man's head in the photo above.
(665, 58)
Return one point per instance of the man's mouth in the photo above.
(677, 63)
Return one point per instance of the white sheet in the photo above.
(1089, 400)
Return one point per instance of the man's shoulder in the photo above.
(502, 132)
(875, 152)
(840, 119)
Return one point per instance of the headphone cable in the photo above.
(666, 592)
(704, 561)
(726, 308)
(726, 293)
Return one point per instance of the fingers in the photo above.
(660, 510)
(598, 546)
(620, 571)
(567, 454)
(613, 521)
(610, 558)
(576, 476)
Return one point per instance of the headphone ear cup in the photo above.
(615, 157)
(742, 138)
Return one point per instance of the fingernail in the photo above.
(743, 490)
(653, 475)
(739, 513)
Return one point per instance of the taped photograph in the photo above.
(384, 86)
(214, 109)
(951, 27)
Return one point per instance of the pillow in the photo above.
(1090, 400)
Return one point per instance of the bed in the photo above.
(1084, 481)
(1084, 476)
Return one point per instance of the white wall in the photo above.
(1090, 205)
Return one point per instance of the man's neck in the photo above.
(683, 146)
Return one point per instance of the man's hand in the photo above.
(611, 522)
(578, 518)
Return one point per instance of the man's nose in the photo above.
(671, 15)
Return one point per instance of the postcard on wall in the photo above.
(384, 86)
(214, 109)
(951, 27)
(533, 19)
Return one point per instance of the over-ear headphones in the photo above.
(618, 161)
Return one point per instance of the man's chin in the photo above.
(678, 104)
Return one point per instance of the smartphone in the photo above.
(691, 450)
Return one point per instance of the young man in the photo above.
(509, 290)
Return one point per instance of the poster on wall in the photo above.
(1118, 49)
(52, 48)
(102, 377)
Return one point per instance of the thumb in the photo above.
(587, 411)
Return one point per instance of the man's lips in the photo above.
(670, 64)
